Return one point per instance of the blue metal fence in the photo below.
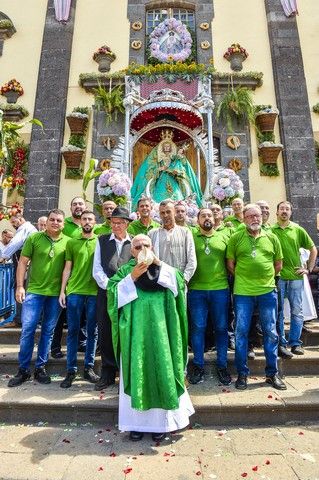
(7, 301)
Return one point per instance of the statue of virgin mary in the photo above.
(166, 173)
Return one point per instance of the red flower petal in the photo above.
(269, 396)
(255, 468)
(127, 470)
(244, 474)
(267, 462)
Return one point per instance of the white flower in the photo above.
(224, 182)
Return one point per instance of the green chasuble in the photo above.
(150, 334)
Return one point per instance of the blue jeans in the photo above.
(75, 305)
(291, 289)
(32, 309)
(200, 303)
(267, 308)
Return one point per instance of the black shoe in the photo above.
(297, 350)
(58, 354)
(81, 349)
(241, 382)
(231, 344)
(67, 382)
(90, 375)
(251, 354)
(158, 437)
(104, 382)
(276, 382)
(196, 376)
(283, 352)
(21, 377)
(223, 376)
(136, 436)
(41, 376)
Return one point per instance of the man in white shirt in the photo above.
(24, 229)
(6, 237)
(112, 251)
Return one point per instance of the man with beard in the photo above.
(292, 237)
(265, 212)
(146, 302)
(72, 225)
(111, 252)
(209, 295)
(81, 291)
(44, 251)
(254, 258)
(107, 209)
(173, 244)
(145, 222)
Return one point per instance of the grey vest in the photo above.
(110, 260)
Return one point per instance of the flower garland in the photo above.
(114, 185)
(171, 26)
(226, 185)
(13, 176)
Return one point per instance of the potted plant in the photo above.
(78, 120)
(269, 151)
(265, 117)
(236, 105)
(104, 57)
(12, 90)
(236, 55)
(111, 101)
(73, 152)
(6, 28)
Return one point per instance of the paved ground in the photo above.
(76, 452)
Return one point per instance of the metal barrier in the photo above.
(7, 301)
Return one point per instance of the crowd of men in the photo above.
(135, 288)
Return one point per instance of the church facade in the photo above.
(141, 72)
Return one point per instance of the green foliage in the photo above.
(89, 175)
(84, 110)
(259, 108)
(315, 108)
(5, 23)
(265, 136)
(111, 101)
(269, 170)
(77, 140)
(7, 107)
(236, 105)
(73, 173)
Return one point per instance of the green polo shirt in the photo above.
(103, 228)
(254, 274)
(234, 220)
(45, 272)
(136, 227)
(266, 227)
(224, 230)
(71, 229)
(291, 239)
(80, 251)
(211, 272)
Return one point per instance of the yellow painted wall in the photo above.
(247, 25)
(308, 26)
(96, 24)
(21, 53)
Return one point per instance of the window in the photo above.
(155, 17)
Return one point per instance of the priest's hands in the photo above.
(138, 270)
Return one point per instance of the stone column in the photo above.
(43, 180)
(296, 132)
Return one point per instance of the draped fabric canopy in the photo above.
(62, 10)
(290, 7)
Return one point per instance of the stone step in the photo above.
(299, 365)
(214, 404)
(12, 335)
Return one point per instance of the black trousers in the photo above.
(109, 365)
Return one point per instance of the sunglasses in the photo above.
(139, 247)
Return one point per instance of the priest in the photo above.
(146, 303)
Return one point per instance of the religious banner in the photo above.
(62, 10)
(290, 7)
(170, 41)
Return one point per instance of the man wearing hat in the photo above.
(112, 251)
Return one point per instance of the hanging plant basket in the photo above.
(73, 159)
(266, 121)
(269, 154)
(77, 124)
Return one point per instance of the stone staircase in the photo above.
(214, 404)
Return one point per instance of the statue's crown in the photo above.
(167, 134)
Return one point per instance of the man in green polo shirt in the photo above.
(254, 257)
(81, 290)
(209, 295)
(104, 228)
(72, 225)
(265, 212)
(45, 251)
(237, 218)
(292, 237)
(145, 223)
